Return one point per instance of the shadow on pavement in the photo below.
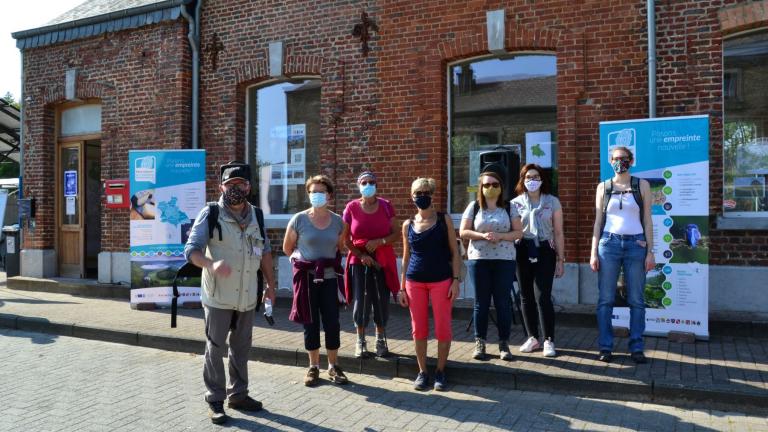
(35, 338)
(264, 416)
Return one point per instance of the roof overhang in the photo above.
(9, 132)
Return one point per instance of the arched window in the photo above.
(507, 103)
(283, 142)
(745, 125)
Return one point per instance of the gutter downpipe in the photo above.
(651, 58)
(194, 44)
(21, 153)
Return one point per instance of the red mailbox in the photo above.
(117, 193)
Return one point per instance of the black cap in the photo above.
(235, 170)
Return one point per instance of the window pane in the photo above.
(501, 103)
(284, 141)
(745, 129)
(81, 120)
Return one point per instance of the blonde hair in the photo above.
(320, 179)
(421, 182)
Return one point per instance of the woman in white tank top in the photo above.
(622, 240)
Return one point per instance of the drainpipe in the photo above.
(194, 44)
(23, 105)
(651, 58)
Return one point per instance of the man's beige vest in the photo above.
(242, 251)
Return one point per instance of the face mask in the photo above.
(532, 185)
(318, 199)
(234, 196)
(423, 201)
(491, 193)
(368, 190)
(621, 166)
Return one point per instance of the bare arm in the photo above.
(557, 226)
(645, 191)
(401, 296)
(596, 230)
(268, 270)
(455, 258)
(289, 241)
(467, 232)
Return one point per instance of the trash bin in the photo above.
(12, 251)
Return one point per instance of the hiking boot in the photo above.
(381, 348)
(336, 375)
(361, 349)
(421, 382)
(639, 358)
(531, 345)
(441, 384)
(549, 349)
(605, 356)
(312, 377)
(504, 353)
(247, 404)
(216, 412)
(479, 353)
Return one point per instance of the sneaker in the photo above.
(247, 404)
(504, 353)
(216, 412)
(479, 349)
(381, 348)
(639, 358)
(361, 349)
(441, 384)
(312, 377)
(531, 345)
(549, 348)
(605, 356)
(421, 382)
(336, 375)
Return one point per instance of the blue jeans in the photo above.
(614, 252)
(492, 278)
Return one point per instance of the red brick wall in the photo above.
(142, 79)
(388, 111)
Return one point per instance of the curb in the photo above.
(479, 374)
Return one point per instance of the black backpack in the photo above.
(191, 270)
(634, 184)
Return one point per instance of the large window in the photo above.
(283, 142)
(501, 104)
(745, 127)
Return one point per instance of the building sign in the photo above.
(70, 183)
(672, 154)
(167, 192)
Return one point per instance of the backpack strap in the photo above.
(634, 183)
(607, 192)
(213, 219)
(260, 274)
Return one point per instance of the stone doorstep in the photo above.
(512, 378)
(720, 323)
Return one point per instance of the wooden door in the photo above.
(70, 198)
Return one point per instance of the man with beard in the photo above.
(227, 242)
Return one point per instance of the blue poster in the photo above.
(167, 191)
(672, 154)
(70, 183)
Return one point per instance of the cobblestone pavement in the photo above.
(70, 384)
(737, 364)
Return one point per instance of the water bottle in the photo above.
(268, 312)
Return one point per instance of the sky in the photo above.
(23, 15)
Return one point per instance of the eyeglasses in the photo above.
(422, 193)
(536, 177)
(491, 185)
(241, 186)
(368, 182)
(622, 158)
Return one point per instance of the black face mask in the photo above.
(234, 196)
(423, 201)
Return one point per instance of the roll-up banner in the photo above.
(672, 154)
(167, 193)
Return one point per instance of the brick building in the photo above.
(404, 88)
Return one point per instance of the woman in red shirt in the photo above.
(370, 228)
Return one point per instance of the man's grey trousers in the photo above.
(239, 326)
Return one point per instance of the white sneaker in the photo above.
(530, 345)
(549, 348)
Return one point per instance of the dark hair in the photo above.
(624, 149)
(481, 197)
(546, 188)
(320, 179)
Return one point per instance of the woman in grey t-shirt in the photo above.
(491, 226)
(313, 240)
(539, 255)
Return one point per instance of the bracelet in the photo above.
(457, 278)
(384, 241)
(402, 290)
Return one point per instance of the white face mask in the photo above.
(532, 185)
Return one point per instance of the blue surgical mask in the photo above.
(318, 199)
(368, 190)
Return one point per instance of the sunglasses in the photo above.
(368, 182)
(533, 177)
(422, 193)
(622, 158)
(491, 185)
(241, 186)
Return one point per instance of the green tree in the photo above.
(11, 100)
